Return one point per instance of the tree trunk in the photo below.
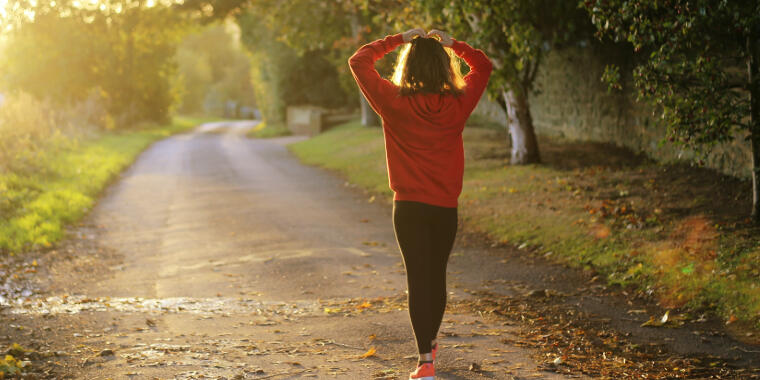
(520, 123)
(369, 117)
(753, 71)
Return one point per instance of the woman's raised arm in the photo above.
(376, 89)
(480, 70)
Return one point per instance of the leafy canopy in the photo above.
(514, 33)
(693, 61)
(122, 51)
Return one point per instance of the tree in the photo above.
(137, 67)
(515, 34)
(334, 28)
(699, 67)
(38, 71)
(214, 68)
(270, 65)
(122, 50)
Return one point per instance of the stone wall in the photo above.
(573, 103)
(304, 120)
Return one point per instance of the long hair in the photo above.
(425, 66)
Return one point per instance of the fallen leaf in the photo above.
(664, 318)
(371, 352)
(650, 322)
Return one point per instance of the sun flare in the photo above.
(3, 12)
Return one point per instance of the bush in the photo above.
(30, 129)
(27, 129)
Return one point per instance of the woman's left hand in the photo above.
(409, 34)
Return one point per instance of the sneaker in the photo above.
(435, 350)
(425, 371)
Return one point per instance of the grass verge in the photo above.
(267, 130)
(36, 206)
(674, 232)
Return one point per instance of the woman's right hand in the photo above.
(409, 34)
(444, 37)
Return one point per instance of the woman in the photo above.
(424, 111)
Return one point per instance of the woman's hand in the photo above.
(409, 34)
(443, 37)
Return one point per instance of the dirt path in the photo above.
(217, 256)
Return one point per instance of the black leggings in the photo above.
(425, 235)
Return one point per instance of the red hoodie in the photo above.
(423, 132)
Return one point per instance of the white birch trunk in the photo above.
(520, 124)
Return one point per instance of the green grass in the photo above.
(268, 130)
(36, 206)
(578, 216)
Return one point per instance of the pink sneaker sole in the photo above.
(424, 372)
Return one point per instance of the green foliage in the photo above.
(268, 70)
(314, 81)
(122, 52)
(28, 130)
(307, 25)
(283, 75)
(515, 33)
(213, 69)
(323, 34)
(40, 58)
(693, 57)
(37, 204)
(10, 366)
